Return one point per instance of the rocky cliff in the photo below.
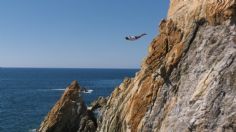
(70, 114)
(188, 80)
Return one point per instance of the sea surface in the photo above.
(27, 94)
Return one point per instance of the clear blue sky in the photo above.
(77, 33)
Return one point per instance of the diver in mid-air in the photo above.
(132, 38)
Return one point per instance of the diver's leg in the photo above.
(137, 37)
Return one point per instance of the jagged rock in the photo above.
(100, 102)
(69, 114)
(188, 80)
(216, 12)
(83, 89)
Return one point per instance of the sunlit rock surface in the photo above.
(188, 80)
(186, 83)
(69, 114)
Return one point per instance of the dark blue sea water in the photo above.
(27, 94)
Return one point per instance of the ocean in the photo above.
(28, 94)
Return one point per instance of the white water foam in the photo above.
(32, 130)
(88, 91)
(58, 89)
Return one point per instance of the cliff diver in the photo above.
(132, 38)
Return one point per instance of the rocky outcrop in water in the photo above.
(69, 114)
(186, 83)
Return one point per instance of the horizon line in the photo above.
(65, 68)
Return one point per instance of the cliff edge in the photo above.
(188, 80)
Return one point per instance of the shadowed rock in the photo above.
(100, 102)
(69, 114)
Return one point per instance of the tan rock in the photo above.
(69, 114)
(188, 80)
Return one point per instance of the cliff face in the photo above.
(186, 83)
(188, 80)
